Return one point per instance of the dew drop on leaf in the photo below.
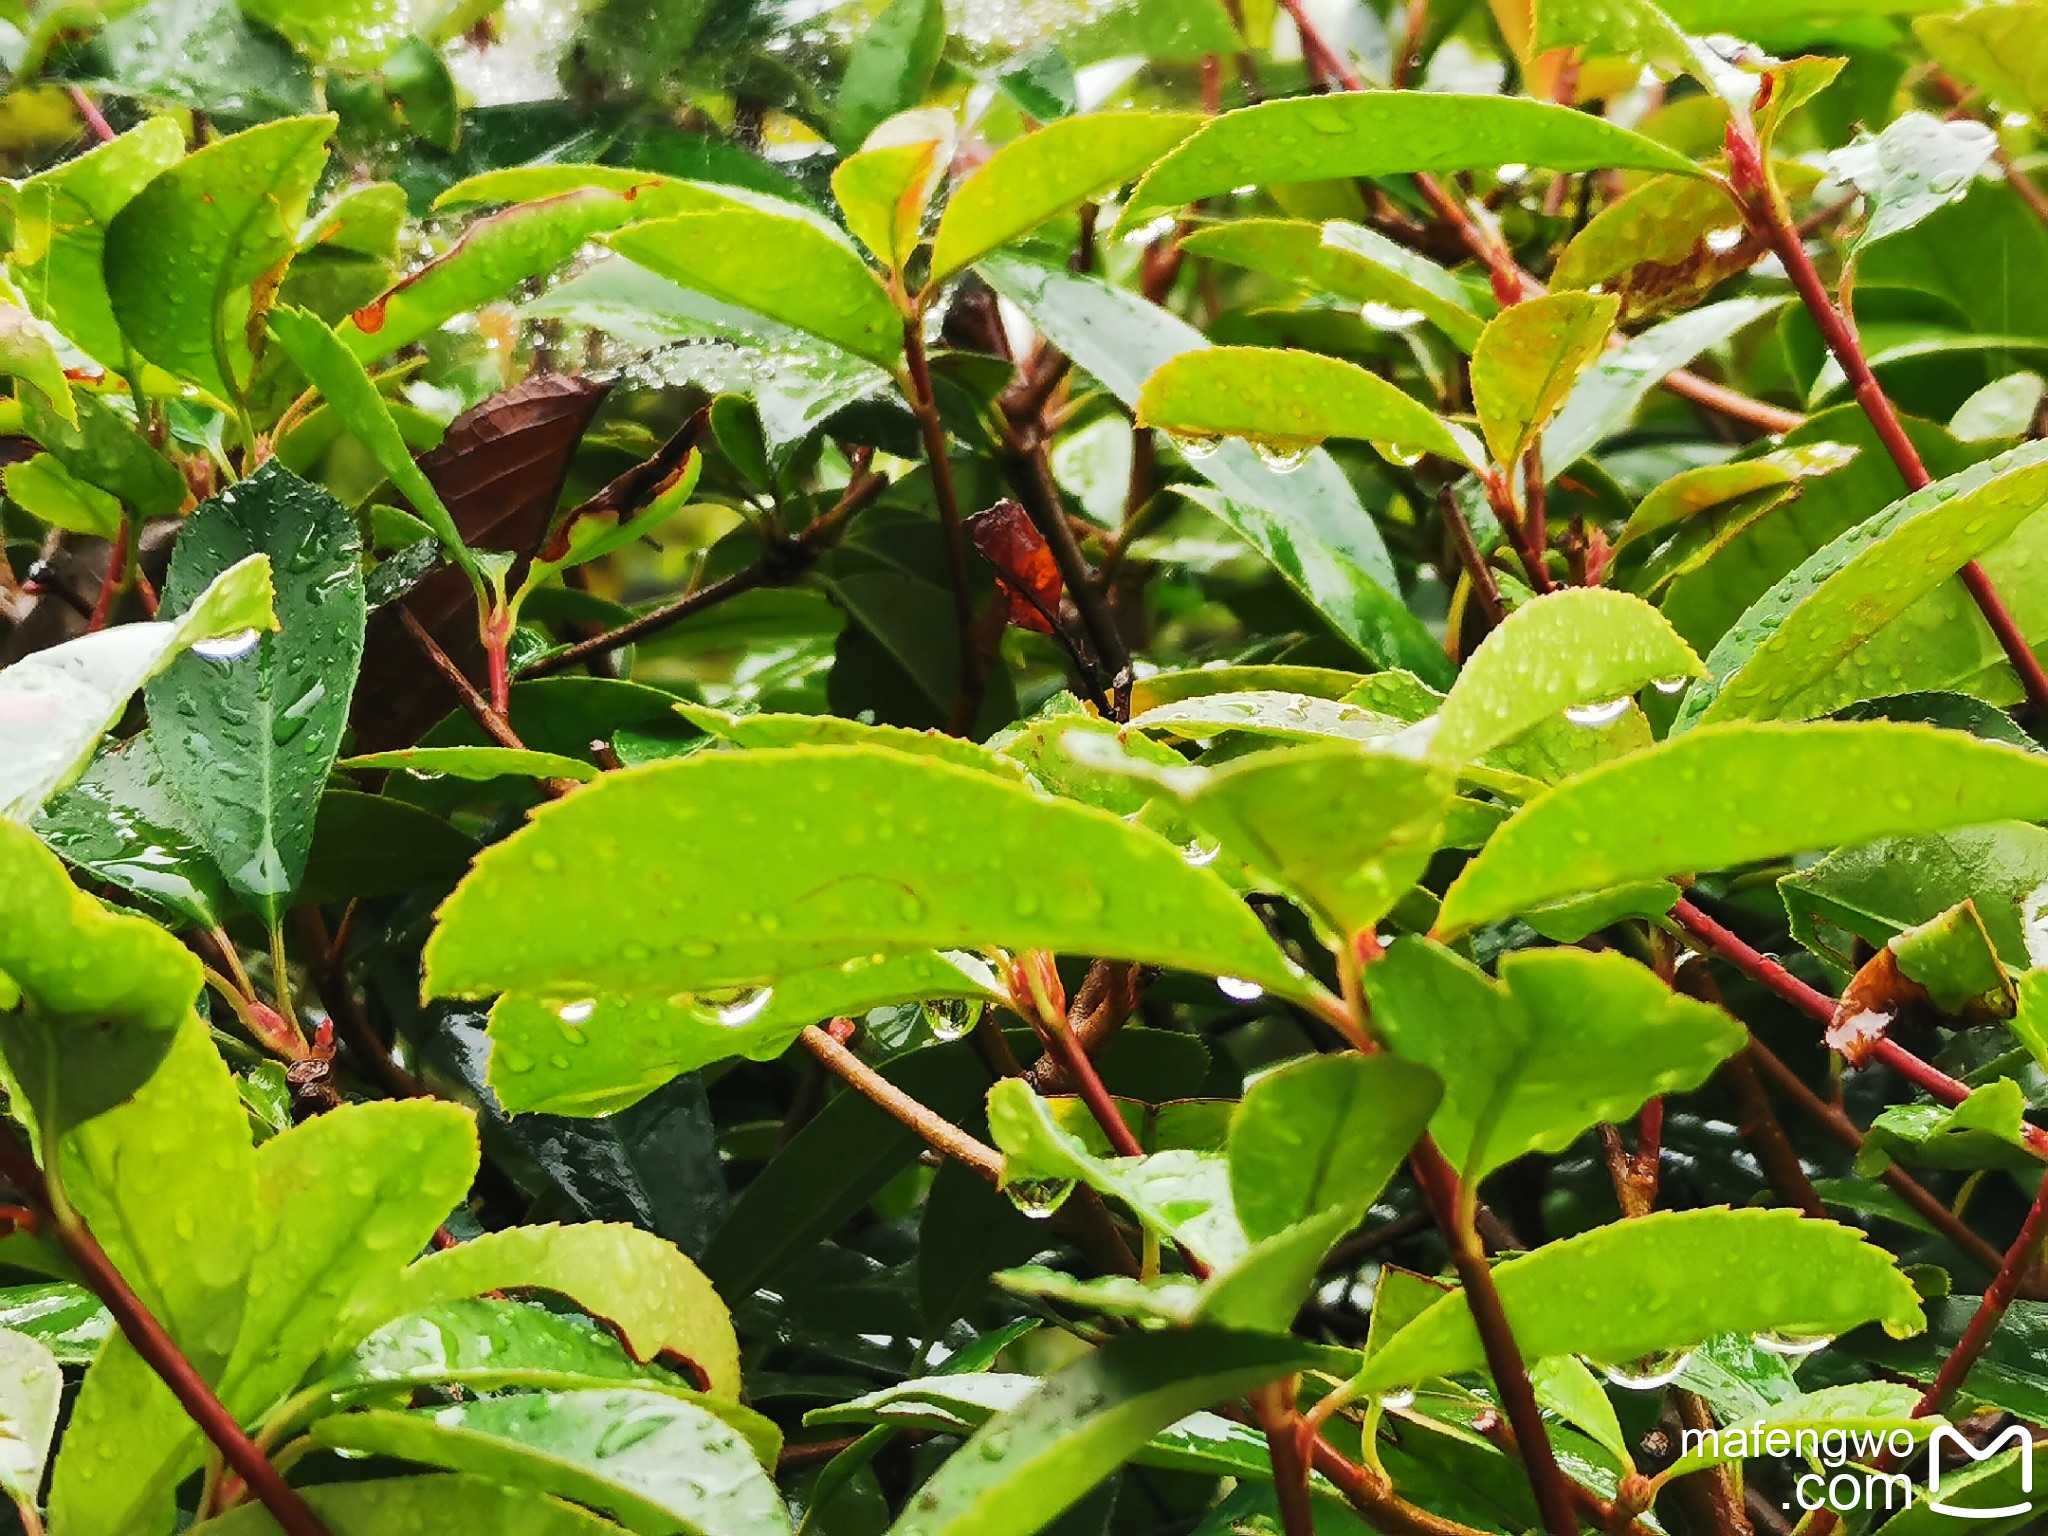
(1794, 1346)
(952, 1018)
(746, 1008)
(1038, 1198)
(1239, 990)
(1649, 1373)
(1605, 712)
(226, 647)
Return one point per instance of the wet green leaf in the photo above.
(1997, 48)
(1796, 652)
(26, 355)
(477, 764)
(1725, 795)
(44, 488)
(1387, 133)
(1690, 1274)
(1565, 1041)
(1046, 172)
(189, 258)
(657, 1462)
(1527, 361)
(884, 190)
(1285, 402)
(1572, 650)
(1666, 245)
(246, 738)
(103, 449)
(1081, 1423)
(57, 703)
(397, 1506)
(817, 284)
(1915, 167)
(121, 823)
(889, 67)
(897, 878)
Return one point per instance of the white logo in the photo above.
(2016, 1435)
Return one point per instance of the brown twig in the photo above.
(481, 710)
(786, 563)
(1765, 1137)
(935, 1131)
(158, 1351)
(1483, 585)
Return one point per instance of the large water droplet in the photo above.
(1648, 1373)
(1396, 1401)
(1722, 241)
(1283, 460)
(1237, 989)
(952, 1018)
(747, 1007)
(577, 1012)
(1794, 1346)
(1604, 713)
(1195, 445)
(1038, 1198)
(1389, 317)
(1670, 685)
(226, 647)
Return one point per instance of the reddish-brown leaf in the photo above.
(500, 469)
(1026, 573)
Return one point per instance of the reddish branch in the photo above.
(1766, 218)
(155, 1346)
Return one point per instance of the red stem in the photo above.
(155, 1346)
(1767, 219)
(110, 584)
(1439, 1182)
(1763, 969)
(94, 118)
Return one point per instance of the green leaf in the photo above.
(1691, 492)
(1606, 397)
(488, 1346)
(246, 740)
(188, 258)
(1046, 172)
(1567, 1388)
(885, 189)
(1024, 1467)
(1994, 47)
(2003, 408)
(1286, 402)
(26, 355)
(2007, 1375)
(347, 389)
(1181, 1196)
(1986, 1130)
(1294, 817)
(57, 703)
(65, 1319)
(1566, 1040)
(120, 823)
(1665, 246)
(1309, 524)
(1796, 651)
(31, 1383)
(1725, 795)
(560, 209)
(1346, 261)
(657, 1301)
(769, 729)
(1387, 133)
(656, 1462)
(889, 68)
(60, 229)
(938, 858)
(1324, 1133)
(1917, 166)
(1528, 359)
(349, 35)
(103, 449)
(477, 764)
(1690, 1274)
(347, 1198)
(1574, 648)
(405, 1506)
(817, 283)
(620, 1049)
(44, 488)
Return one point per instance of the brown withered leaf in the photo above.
(1026, 573)
(1664, 247)
(1870, 1005)
(500, 469)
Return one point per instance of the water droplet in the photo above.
(1670, 685)
(1201, 854)
(1388, 317)
(1237, 989)
(1396, 1401)
(1038, 1198)
(1794, 1346)
(1283, 460)
(1722, 241)
(952, 1018)
(1604, 713)
(226, 647)
(1512, 172)
(1648, 1373)
(746, 1008)
(577, 1012)
(1195, 445)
